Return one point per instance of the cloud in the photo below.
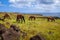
(21, 3)
(43, 5)
(1, 4)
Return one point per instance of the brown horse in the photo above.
(32, 18)
(20, 18)
(50, 19)
(6, 16)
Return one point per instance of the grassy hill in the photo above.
(49, 30)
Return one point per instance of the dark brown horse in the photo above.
(50, 19)
(6, 16)
(20, 18)
(32, 18)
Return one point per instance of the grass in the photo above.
(38, 26)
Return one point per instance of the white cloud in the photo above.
(22, 3)
(1, 4)
(35, 4)
(12, 1)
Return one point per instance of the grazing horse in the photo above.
(20, 18)
(50, 19)
(32, 18)
(6, 16)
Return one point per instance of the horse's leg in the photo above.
(48, 19)
(18, 20)
(31, 19)
(34, 18)
(53, 20)
(23, 20)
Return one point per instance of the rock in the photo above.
(37, 37)
(11, 34)
(2, 31)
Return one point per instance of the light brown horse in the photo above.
(20, 18)
(50, 19)
(32, 18)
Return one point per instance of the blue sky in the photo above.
(30, 6)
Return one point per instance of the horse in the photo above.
(51, 19)
(20, 18)
(32, 18)
(6, 16)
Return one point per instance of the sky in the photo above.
(30, 6)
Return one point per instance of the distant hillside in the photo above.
(22, 13)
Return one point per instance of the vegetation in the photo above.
(49, 30)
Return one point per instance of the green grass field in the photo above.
(34, 27)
